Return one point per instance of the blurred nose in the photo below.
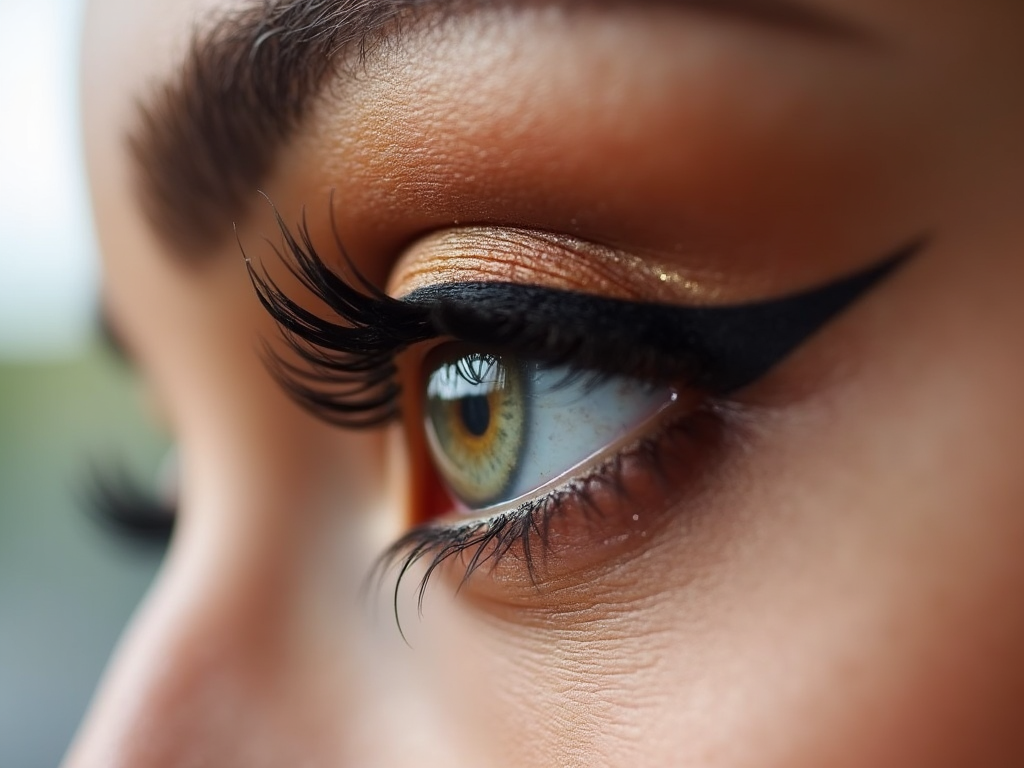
(229, 663)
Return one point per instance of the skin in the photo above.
(837, 582)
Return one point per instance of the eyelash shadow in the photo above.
(346, 374)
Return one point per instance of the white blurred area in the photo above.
(48, 269)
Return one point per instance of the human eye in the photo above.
(553, 421)
(502, 429)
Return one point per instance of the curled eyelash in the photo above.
(123, 506)
(347, 375)
(348, 372)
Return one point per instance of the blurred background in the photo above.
(67, 406)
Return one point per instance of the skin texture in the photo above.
(835, 581)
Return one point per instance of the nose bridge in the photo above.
(219, 668)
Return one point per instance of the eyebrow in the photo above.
(208, 136)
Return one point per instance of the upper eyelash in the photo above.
(115, 498)
(355, 358)
(348, 376)
(348, 372)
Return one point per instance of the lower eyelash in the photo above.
(527, 528)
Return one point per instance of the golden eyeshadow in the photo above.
(474, 254)
(346, 371)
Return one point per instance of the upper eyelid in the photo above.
(348, 372)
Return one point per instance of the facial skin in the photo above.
(837, 583)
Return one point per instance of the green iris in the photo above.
(476, 414)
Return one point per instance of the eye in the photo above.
(501, 429)
(544, 415)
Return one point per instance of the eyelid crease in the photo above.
(347, 373)
(469, 253)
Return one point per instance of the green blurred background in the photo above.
(67, 585)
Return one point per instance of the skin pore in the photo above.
(833, 579)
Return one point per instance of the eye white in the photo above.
(570, 419)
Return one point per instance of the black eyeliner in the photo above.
(717, 349)
(347, 373)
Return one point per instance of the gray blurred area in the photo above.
(67, 584)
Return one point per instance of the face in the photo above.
(690, 432)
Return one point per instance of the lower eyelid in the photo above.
(587, 523)
(678, 408)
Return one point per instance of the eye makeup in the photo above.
(347, 373)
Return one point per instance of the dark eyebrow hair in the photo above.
(208, 136)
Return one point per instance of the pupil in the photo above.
(476, 414)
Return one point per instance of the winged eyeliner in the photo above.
(347, 373)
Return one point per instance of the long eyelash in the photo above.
(347, 374)
(115, 499)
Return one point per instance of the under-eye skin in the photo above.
(674, 364)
